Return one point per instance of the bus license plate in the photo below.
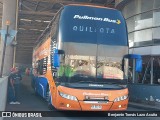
(96, 107)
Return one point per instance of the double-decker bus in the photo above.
(79, 61)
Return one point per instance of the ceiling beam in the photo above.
(76, 2)
(24, 12)
(33, 22)
(29, 41)
(24, 47)
(31, 35)
(109, 3)
(26, 44)
(36, 17)
(37, 6)
(28, 8)
(28, 32)
(30, 45)
(63, 2)
(26, 41)
(26, 51)
(26, 37)
(45, 0)
(20, 4)
(27, 27)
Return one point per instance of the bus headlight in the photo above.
(67, 96)
(121, 98)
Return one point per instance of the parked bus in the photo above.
(79, 61)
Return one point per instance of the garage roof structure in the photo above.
(33, 18)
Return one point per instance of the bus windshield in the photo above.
(92, 62)
(94, 41)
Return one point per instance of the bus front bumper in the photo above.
(92, 105)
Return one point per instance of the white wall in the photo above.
(3, 93)
(149, 50)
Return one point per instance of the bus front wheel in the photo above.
(50, 106)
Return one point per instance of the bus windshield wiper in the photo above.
(86, 81)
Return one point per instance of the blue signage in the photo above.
(10, 37)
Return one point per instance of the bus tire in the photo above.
(48, 99)
(50, 106)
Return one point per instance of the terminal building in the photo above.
(143, 23)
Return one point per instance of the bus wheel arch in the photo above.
(49, 99)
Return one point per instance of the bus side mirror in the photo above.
(56, 60)
(138, 65)
(138, 61)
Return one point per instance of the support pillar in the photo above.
(9, 13)
(134, 71)
(151, 72)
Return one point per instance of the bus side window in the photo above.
(42, 66)
(45, 62)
